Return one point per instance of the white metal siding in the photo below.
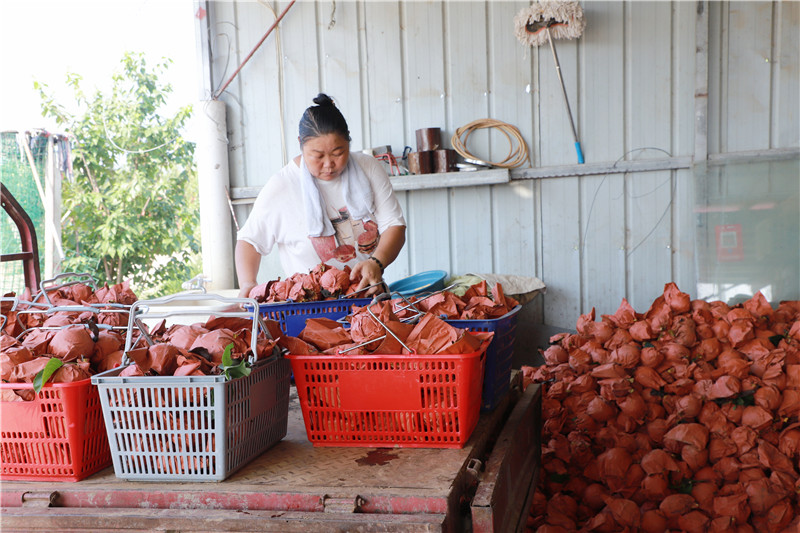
(394, 67)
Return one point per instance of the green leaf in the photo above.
(46, 373)
(233, 369)
(227, 360)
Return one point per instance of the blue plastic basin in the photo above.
(428, 281)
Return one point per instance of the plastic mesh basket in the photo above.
(57, 436)
(193, 428)
(292, 316)
(499, 355)
(415, 401)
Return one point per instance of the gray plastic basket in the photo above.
(192, 428)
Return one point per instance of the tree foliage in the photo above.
(131, 212)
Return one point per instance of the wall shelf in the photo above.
(415, 182)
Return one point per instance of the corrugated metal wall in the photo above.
(619, 226)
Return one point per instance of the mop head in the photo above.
(565, 20)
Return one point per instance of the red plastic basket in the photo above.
(411, 401)
(58, 436)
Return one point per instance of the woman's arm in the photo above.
(389, 246)
(247, 262)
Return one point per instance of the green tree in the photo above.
(131, 213)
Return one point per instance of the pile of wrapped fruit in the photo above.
(478, 302)
(417, 323)
(327, 282)
(683, 418)
(81, 329)
(84, 332)
(376, 329)
(324, 282)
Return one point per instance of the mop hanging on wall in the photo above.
(543, 22)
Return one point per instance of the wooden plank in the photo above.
(747, 76)
(211, 520)
(602, 248)
(786, 78)
(601, 106)
(560, 251)
(512, 470)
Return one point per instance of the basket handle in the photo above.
(79, 278)
(144, 309)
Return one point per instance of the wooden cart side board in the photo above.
(313, 500)
(206, 520)
(505, 490)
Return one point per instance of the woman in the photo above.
(328, 205)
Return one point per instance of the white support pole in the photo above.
(52, 213)
(213, 180)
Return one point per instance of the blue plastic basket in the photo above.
(292, 316)
(499, 355)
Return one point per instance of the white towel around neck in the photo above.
(355, 189)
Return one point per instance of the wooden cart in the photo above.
(486, 486)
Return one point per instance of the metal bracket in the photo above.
(342, 505)
(40, 498)
(473, 469)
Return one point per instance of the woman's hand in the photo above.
(247, 263)
(371, 270)
(244, 290)
(370, 273)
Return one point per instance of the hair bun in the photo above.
(323, 99)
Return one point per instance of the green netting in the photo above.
(17, 176)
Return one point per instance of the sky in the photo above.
(43, 40)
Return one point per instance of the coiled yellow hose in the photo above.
(518, 151)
